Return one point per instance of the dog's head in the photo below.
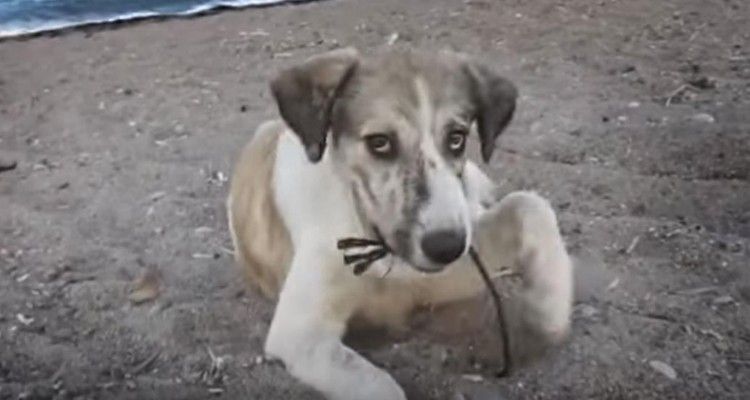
(398, 124)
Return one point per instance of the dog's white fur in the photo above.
(276, 188)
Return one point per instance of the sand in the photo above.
(633, 120)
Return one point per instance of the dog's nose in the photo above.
(444, 247)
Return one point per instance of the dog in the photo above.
(374, 146)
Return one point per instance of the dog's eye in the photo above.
(456, 142)
(381, 145)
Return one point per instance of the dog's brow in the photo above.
(425, 106)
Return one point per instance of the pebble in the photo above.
(202, 256)
(703, 117)
(588, 311)
(664, 368)
(203, 230)
(156, 196)
(722, 300)
(24, 319)
(473, 378)
(393, 38)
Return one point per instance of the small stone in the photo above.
(703, 117)
(444, 356)
(203, 230)
(473, 378)
(203, 256)
(219, 176)
(146, 287)
(663, 368)
(393, 38)
(722, 300)
(24, 319)
(634, 104)
(157, 195)
(588, 311)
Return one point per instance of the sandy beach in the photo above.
(116, 143)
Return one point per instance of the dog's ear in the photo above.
(305, 95)
(494, 98)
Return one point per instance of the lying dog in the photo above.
(374, 147)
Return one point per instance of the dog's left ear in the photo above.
(305, 95)
(495, 100)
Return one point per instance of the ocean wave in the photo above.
(15, 21)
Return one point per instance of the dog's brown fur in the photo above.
(262, 245)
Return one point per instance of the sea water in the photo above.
(19, 17)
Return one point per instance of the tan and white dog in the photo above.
(375, 147)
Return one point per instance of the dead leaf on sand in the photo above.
(146, 287)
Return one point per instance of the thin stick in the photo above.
(505, 371)
(145, 364)
(356, 242)
(369, 257)
(674, 94)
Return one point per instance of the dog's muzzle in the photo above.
(362, 262)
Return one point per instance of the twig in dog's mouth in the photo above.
(363, 261)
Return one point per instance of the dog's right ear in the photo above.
(305, 95)
(495, 98)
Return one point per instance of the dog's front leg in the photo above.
(307, 328)
(521, 232)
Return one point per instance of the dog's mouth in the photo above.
(376, 249)
(361, 253)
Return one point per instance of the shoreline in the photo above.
(57, 28)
